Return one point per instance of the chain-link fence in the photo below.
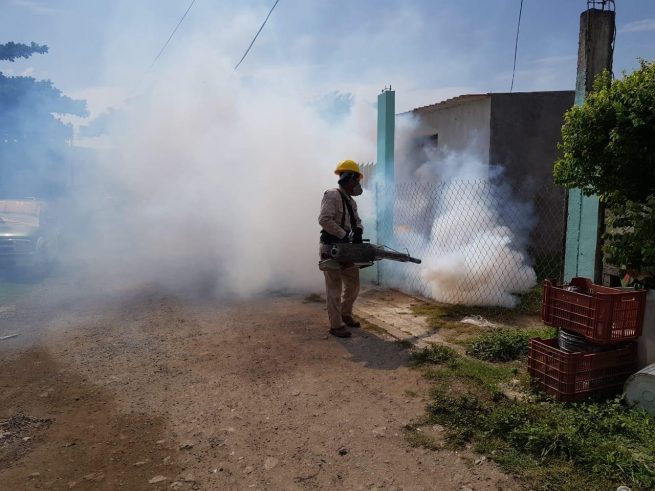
(482, 243)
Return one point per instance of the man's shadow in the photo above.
(372, 351)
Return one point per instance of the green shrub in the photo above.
(608, 149)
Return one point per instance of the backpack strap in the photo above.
(351, 214)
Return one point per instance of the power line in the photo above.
(255, 38)
(516, 45)
(172, 34)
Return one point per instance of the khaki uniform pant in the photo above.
(342, 288)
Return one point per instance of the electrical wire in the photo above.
(516, 45)
(172, 34)
(256, 35)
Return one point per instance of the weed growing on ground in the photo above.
(434, 354)
(417, 438)
(505, 344)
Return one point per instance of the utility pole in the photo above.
(585, 214)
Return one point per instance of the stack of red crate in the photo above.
(609, 319)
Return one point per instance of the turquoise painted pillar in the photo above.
(582, 256)
(386, 130)
(384, 168)
(582, 233)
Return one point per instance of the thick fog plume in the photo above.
(213, 182)
(465, 224)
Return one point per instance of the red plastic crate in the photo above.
(571, 377)
(603, 315)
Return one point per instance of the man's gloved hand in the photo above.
(358, 232)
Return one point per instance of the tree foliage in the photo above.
(34, 142)
(608, 149)
(27, 106)
(11, 50)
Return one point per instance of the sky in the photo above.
(427, 50)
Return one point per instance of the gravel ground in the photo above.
(139, 389)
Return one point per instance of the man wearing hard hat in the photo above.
(340, 223)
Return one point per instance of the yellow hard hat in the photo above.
(348, 166)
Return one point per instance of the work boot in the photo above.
(340, 332)
(350, 322)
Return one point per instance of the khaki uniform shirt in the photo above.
(332, 211)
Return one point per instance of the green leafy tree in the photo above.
(608, 149)
(34, 143)
(11, 51)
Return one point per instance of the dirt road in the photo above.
(137, 389)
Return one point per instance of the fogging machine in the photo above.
(361, 255)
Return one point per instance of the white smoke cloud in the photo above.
(476, 261)
(212, 179)
(216, 183)
(470, 231)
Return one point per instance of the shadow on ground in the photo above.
(374, 352)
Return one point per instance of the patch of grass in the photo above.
(550, 445)
(546, 474)
(446, 365)
(464, 371)
(555, 446)
(435, 354)
(505, 344)
(449, 316)
(446, 315)
(485, 374)
(418, 439)
(313, 298)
